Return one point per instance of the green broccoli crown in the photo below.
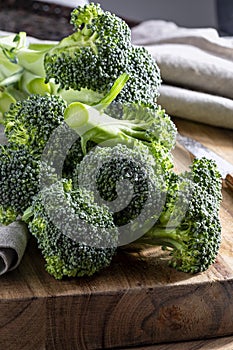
(97, 53)
(199, 234)
(129, 181)
(189, 223)
(92, 57)
(30, 122)
(19, 176)
(76, 236)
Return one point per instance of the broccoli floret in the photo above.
(76, 236)
(74, 157)
(138, 123)
(189, 224)
(93, 56)
(97, 53)
(144, 83)
(30, 122)
(130, 181)
(88, 61)
(19, 178)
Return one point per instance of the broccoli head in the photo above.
(19, 178)
(88, 61)
(189, 225)
(130, 181)
(77, 237)
(30, 122)
(97, 53)
(94, 50)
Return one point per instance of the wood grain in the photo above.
(137, 301)
(223, 343)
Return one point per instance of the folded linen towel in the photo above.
(13, 242)
(198, 66)
(163, 32)
(197, 106)
(189, 66)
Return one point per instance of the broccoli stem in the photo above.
(78, 40)
(6, 99)
(113, 93)
(8, 68)
(33, 84)
(162, 236)
(11, 79)
(41, 46)
(90, 124)
(32, 61)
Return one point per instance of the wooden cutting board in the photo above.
(138, 300)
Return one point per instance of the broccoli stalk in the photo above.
(189, 225)
(144, 124)
(25, 74)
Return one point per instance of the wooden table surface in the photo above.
(137, 300)
(223, 343)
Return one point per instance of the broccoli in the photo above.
(37, 122)
(10, 71)
(189, 225)
(9, 67)
(97, 53)
(19, 179)
(76, 236)
(130, 181)
(89, 61)
(149, 125)
(15, 79)
(30, 122)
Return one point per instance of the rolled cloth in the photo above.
(13, 238)
(13, 242)
(196, 67)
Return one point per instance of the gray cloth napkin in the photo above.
(13, 242)
(13, 238)
(196, 68)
